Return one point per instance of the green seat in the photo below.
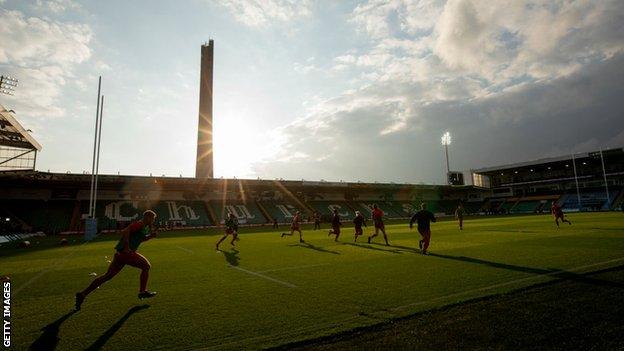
(282, 211)
(247, 213)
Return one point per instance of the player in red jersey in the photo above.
(423, 218)
(295, 226)
(377, 216)
(335, 225)
(131, 237)
(358, 221)
(557, 212)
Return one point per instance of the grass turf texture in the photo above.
(273, 291)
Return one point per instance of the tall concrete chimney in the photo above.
(203, 166)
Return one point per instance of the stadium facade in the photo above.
(590, 181)
(57, 202)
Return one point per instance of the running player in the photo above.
(231, 228)
(424, 219)
(459, 215)
(295, 226)
(557, 212)
(358, 221)
(317, 220)
(335, 225)
(377, 215)
(131, 237)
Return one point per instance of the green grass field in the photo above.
(273, 291)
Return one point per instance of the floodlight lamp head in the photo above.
(446, 138)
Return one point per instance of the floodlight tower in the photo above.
(204, 162)
(446, 141)
(7, 85)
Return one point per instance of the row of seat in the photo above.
(62, 215)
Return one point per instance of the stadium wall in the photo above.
(57, 203)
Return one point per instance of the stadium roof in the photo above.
(542, 161)
(13, 134)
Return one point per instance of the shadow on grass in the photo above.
(400, 247)
(307, 245)
(509, 230)
(561, 274)
(365, 337)
(49, 339)
(231, 257)
(101, 341)
(369, 247)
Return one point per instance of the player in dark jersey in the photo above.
(231, 228)
(317, 220)
(335, 225)
(358, 221)
(295, 227)
(377, 216)
(423, 218)
(131, 237)
(459, 215)
(557, 212)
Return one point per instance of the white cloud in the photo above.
(467, 49)
(56, 6)
(42, 53)
(538, 39)
(261, 13)
(382, 18)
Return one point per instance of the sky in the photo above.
(315, 89)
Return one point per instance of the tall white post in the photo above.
(97, 120)
(578, 193)
(97, 162)
(604, 175)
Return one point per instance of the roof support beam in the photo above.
(17, 156)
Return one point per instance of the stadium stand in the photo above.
(245, 212)
(282, 211)
(53, 216)
(57, 203)
(524, 206)
(473, 207)
(555, 178)
(326, 209)
(115, 214)
(590, 200)
(398, 209)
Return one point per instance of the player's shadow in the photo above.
(48, 340)
(557, 273)
(231, 257)
(307, 245)
(101, 341)
(401, 248)
(509, 230)
(368, 247)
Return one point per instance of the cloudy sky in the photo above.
(315, 89)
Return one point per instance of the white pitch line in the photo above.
(511, 282)
(295, 267)
(185, 249)
(264, 276)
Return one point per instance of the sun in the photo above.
(237, 146)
